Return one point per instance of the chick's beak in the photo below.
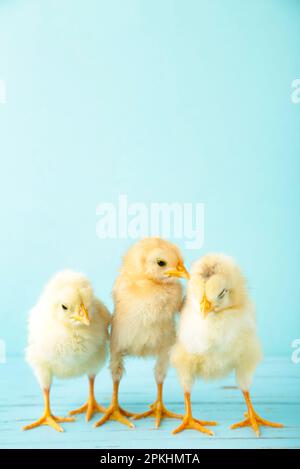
(205, 306)
(84, 315)
(180, 271)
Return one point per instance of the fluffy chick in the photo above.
(147, 294)
(217, 334)
(68, 335)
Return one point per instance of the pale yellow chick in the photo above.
(217, 334)
(147, 294)
(68, 337)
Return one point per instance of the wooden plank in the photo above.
(276, 393)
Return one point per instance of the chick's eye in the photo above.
(161, 263)
(222, 294)
(64, 307)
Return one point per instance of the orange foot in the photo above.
(159, 412)
(51, 421)
(189, 423)
(254, 420)
(91, 407)
(115, 412)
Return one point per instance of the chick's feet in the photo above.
(51, 421)
(115, 412)
(91, 407)
(255, 421)
(190, 423)
(159, 412)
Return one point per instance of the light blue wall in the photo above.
(163, 101)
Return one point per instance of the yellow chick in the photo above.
(217, 334)
(68, 335)
(147, 294)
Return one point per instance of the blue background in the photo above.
(163, 101)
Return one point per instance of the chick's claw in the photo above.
(189, 423)
(159, 412)
(91, 407)
(255, 421)
(114, 412)
(126, 413)
(51, 421)
(208, 423)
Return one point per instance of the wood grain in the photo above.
(276, 395)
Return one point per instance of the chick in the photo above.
(68, 335)
(147, 294)
(217, 334)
